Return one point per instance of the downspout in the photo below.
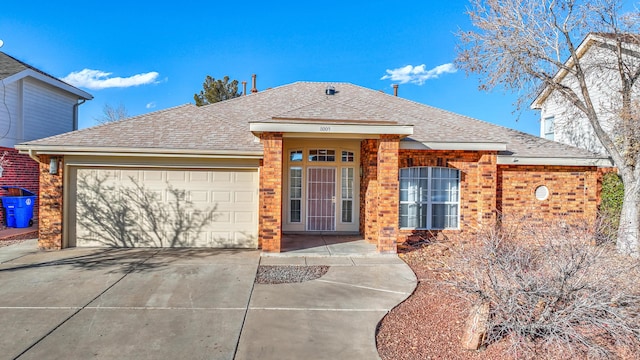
(75, 114)
(34, 157)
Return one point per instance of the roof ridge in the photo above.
(147, 114)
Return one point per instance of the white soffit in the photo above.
(51, 81)
(518, 160)
(477, 146)
(147, 152)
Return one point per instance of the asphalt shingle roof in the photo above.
(10, 66)
(224, 126)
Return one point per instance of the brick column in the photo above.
(369, 190)
(270, 217)
(50, 202)
(388, 193)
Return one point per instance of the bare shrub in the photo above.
(553, 289)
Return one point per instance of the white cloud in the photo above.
(97, 79)
(418, 74)
(151, 105)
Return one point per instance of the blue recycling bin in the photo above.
(18, 208)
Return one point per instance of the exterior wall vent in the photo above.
(330, 90)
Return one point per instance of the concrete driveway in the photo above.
(190, 304)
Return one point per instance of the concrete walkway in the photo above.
(191, 304)
(333, 317)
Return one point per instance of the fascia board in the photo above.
(553, 161)
(472, 146)
(49, 80)
(150, 152)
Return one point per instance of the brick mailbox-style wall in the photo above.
(18, 170)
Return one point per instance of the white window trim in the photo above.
(301, 168)
(430, 203)
(553, 127)
(336, 157)
(292, 151)
(353, 193)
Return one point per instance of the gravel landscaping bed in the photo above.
(286, 274)
(430, 323)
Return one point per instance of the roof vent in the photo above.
(330, 90)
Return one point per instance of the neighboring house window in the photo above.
(429, 198)
(347, 156)
(347, 195)
(295, 194)
(549, 128)
(295, 155)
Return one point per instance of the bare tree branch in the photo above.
(111, 114)
(585, 56)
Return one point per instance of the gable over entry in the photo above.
(313, 179)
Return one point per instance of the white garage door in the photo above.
(166, 208)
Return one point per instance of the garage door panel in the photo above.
(221, 197)
(150, 175)
(222, 177)
(198, 177)
(177, 176)
(244, 197)
(123, 194)
(199, 196)
(222, 217)
(243, 217)
(123, 174)
(243, 178)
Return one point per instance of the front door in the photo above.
(321, 199)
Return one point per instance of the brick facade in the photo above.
(478, 185)
(51, 210)
(573, 193)
(18, 170)
(388, 190)
(486, 189)
(270, 202)
(369, 190)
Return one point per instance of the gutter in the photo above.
(31, 155)
(120, 151)
(553, 161)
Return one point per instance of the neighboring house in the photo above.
(561, 121)
(34, 105)
(306, 157)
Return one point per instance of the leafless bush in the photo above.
(553, 289)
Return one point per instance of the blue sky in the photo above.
(149, 56)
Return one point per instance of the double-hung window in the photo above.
(429, 198)
(549, 128)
